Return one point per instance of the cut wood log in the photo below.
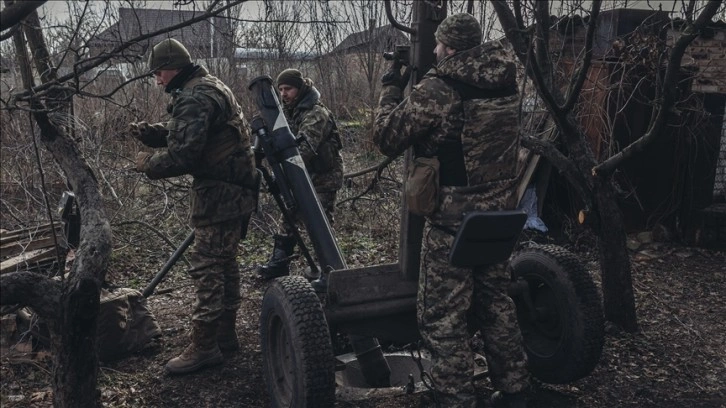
(28, 260)
(29, 233)
(15, 248)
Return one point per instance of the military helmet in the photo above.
(169, 54)
(459, 31)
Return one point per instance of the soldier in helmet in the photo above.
(310, 119)
(464, 114)
(208, 138)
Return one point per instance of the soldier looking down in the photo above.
(311, 122)
(463, 116)
(208, 138)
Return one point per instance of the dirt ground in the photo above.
(677, 359)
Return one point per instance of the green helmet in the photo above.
(169, 54)
(459, 31)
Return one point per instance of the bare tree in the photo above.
(69, 305)
(527, 26)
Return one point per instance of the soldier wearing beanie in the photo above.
(208, 138)
(309, 118)
(463, 115)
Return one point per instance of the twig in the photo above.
(156, 231)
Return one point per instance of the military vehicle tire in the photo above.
(562, 324)
(297, 355)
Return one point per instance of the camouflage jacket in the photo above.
(208, 138)
(323, 162)
(464, 111)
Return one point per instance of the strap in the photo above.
(468, 92)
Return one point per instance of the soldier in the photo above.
(208, 138)
(464, 113)
(320, 149)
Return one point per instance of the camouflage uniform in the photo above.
(323, 161)
(476, 142)
(208, 138)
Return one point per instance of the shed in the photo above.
(679, 180)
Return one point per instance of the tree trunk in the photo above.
(617, 282)
(73, 327)
(74, 348)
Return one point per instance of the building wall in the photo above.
(719, 186)
(708, 55)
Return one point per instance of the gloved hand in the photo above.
(139, 130)
(142, 160)
(394, 77)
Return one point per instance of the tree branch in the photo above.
(378, 167)
(521, 44)
(31, 289)
(574, 92)
(562, 163)
(15, 13)
(86, 65)
(668, 100)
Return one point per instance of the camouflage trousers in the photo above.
(449, 297)
(214, 269)
(327, 201)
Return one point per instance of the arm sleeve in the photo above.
(155, 135)
(188, 134)
(400, 125)
(315, 126)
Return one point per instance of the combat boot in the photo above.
(226, 333)
(279, 263)
(203, 351)
(506, 400)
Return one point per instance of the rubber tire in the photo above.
(565, 342)
(297, 355)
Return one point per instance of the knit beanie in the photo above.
(169, 54)
(459, 31)
(290, 77)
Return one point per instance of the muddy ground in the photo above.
(677, 359)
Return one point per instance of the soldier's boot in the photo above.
(226, 332)
(279, 263)
(203, 352)
(506, 400)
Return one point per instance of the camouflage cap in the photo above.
(459, 31)
(169, 54)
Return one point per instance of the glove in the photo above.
(142, 160)
(140, 131)
(394, 77)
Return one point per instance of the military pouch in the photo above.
(422, 186)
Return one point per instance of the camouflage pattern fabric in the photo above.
(323, 162)
(446, 296)
(207, 137)
(434, 115)
(214, 270)
(459, 31)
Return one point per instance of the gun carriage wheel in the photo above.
(297, 353)
(559, 311)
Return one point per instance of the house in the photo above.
(379, 39)
(207, 39)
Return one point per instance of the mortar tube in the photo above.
(280, 148)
